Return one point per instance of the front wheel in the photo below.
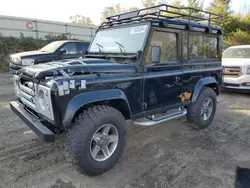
(201, 113)
(96, 139)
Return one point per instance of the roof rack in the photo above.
(165, 12)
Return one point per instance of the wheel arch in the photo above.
(115, 98)
(208, 82)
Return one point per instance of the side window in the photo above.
(211, 47)
(168, 43)
(70, 48)
(85, 46)
(81, 47)
(196, 47)
(200, 46)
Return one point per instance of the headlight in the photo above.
(28, 61)
(248, 70)
(44, 104)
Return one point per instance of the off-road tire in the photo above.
(194, 117)
(78, 138)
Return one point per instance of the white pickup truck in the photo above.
(236, 68)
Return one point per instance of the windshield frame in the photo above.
(123, 26)
(239, 48)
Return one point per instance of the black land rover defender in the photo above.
(139, 65)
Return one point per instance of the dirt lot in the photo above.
(169, 155)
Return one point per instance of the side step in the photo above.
(161, 119)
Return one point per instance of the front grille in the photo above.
(232, 71)
(27, 93)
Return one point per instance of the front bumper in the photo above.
(34, 124)
(241, 82)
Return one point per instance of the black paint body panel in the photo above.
(127, 86)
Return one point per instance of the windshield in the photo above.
(120, 40)
(52, 47)
(236, 53)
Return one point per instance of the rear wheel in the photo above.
(96, 140)
(201, 113)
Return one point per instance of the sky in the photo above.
(61, 10)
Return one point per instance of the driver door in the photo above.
(163, 80)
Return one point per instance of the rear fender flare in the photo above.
(200, 84)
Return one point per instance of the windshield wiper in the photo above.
(99, 47)
(120, 47)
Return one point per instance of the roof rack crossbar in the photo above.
(165, 11)
(194, 18)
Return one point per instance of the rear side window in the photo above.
(200, 46)
(168, 43)
(211, 47)
(196, 47)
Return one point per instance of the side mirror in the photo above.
(156, 54)
(62, 51)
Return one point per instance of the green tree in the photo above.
(238, 37)
(191, 3)
(177, 4)
(194, 4)
(80, 19)
(150, 3)
(221, 7)
(113, 10)
(237, 29)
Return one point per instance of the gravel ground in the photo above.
(169, 155)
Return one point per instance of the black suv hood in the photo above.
(75, 67)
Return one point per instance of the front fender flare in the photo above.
(200, 84)
(90, 97)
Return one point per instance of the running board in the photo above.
(161, 119)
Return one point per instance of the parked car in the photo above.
(236, 68)
(53, 51)
(138, 67)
